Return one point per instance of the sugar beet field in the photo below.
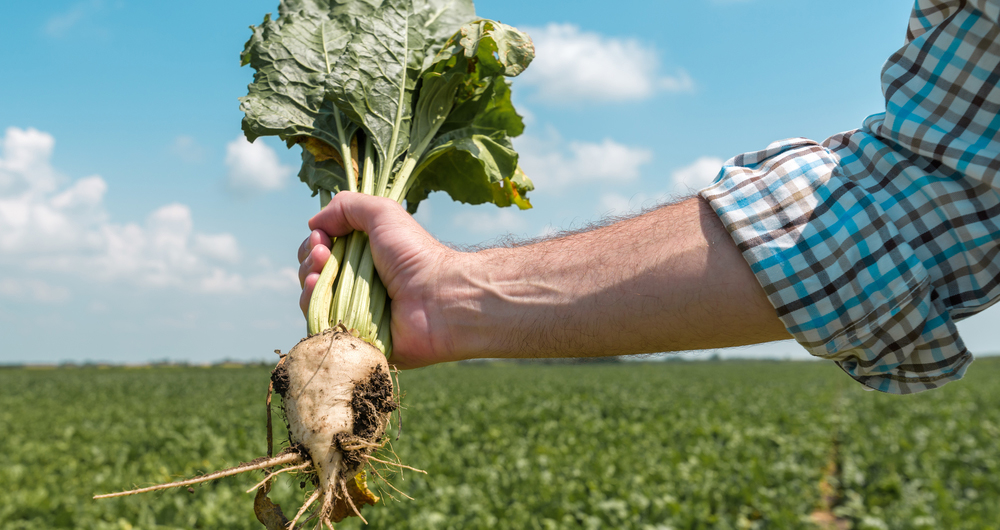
(628, 445)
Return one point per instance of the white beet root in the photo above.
(338, 396)
(322, 372)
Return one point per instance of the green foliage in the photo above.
(665, 445)
(395, 70)
(71, 433)
(926, 462)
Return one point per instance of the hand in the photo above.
(408, 260)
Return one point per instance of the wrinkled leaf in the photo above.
(292, 58)
(474, 166)
(360, 496)
(471, 158)
(496, 48)
(373, 80)
(439, 20)
(268, 512)
(364, 62)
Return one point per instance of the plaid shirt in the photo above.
(872, 244)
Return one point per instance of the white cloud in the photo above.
(576, 66)
(613, 203)
(554, 165)
(548, 231)
(684, 182)
(26, 151)
(221, 281)
(424, 214)
(279, 280)
(220, 247)
(697, 175)
(254, 167)
(49, 224)
(34, 213)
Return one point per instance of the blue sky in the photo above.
(135, 225)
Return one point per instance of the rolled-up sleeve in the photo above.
(873, 243)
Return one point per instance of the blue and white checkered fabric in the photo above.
(874, 243)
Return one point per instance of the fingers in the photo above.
(308, 284)
(314, 252)
(317, 237)
(314, 263)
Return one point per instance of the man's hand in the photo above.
(408, 261)
(669, 280)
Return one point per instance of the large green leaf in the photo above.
(373, 80)
(473, 166)
(483, 98)
(292, 57)
(440, 19)
(345, 9)
(471, 157)
(325, 67)
(437, 97)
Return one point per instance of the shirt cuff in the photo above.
(843, 281)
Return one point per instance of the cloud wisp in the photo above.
(564, 172)
(555, 165)
(696, 175)
(53, 228)
(254, 168)
(575, 66)
(684, 182)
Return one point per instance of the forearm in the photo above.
(669, 280)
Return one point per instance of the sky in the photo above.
(137, 225)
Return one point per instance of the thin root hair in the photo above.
(399, 403)
(305, 506)
(347, 495)
(396, 464)
(387, 483)
(278, 472)
(261, 463)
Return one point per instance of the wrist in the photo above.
(503, 303)
(476, 305)
(451, 303)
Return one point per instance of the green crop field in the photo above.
(619, 445)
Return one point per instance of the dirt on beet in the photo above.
(280, 380)
(372, 402)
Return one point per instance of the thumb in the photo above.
(349, 211)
